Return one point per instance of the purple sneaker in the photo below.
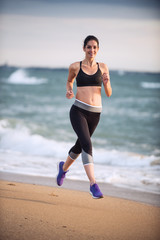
(95, 191)
(61, 174)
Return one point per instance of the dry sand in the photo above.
(35, 212)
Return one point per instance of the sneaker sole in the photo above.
(96, 197)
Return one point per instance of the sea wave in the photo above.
(151, 85)
(124, 159)
(20, 76)
(17, 138)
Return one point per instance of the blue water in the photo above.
(35, 130)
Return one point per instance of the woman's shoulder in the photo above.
(74, 67)
(103, 67)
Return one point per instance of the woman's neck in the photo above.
(89, 62)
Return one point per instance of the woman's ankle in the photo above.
(64, 168)
(92, 183)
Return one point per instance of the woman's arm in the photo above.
(71, 76)
(106, 80)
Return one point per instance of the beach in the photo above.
(37, 211)
(39, 41)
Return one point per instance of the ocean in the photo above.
(35, 130)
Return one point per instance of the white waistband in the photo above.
(88, 104)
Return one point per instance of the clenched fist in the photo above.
(105, 78)
(69, 94)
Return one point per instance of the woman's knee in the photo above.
(75, 151)
(87, 147)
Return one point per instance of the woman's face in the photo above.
(91, 49)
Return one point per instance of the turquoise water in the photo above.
(35, 130)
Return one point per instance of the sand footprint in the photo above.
(11, 184)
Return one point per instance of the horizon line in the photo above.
(121, 71)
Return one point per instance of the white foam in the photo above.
(26, 164)
(21, 140)
(122, 159)
(20, 77)
(151, 85)
(145, 179)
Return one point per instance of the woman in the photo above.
(86, 110)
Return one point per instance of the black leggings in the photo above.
(84, 123)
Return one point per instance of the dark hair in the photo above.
(89, 38)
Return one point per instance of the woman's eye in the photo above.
(89, 47)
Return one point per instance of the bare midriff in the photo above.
(89, 95)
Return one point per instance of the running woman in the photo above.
(86, 110)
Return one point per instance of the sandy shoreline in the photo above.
(107, 189)
(30, 211)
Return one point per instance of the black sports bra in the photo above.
(83, 79)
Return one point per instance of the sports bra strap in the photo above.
(81, 64)
(98, 65)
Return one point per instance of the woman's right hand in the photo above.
(69, 94)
